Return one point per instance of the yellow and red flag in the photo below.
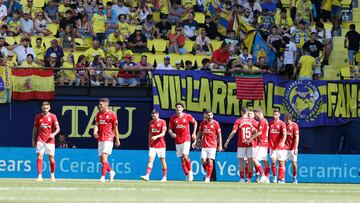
(37, 84)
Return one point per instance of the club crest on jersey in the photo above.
(303, 100)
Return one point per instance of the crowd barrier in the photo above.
(130, 164)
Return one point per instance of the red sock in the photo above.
(294, 172)
(260, 170)
(209, 170)
(273, 169)
(281, 173)
(188, 164)
(52, 166)
(148, 170)
(104, 168)
(242, 174)
(204, 165)
(185, 168)
(108, 167)
(267, 171)
(39, 166)
(249, 175)
(256, 169)
(164, 172)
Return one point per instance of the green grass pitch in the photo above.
(64, 191)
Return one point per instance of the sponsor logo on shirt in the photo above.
(102, 122)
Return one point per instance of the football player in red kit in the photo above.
(277, 146)
(292, 143)
(244, 127)
(179, 129)
(157, 145)
(210, 132)
(261, 137)
(105, 130)
(46, 126)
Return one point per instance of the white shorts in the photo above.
(105, 147)
(279, 155)
(291, 156)
(160, 152)
(261, 153)
(208, 153)
(246, 152)
(182, 149)
(46, 148)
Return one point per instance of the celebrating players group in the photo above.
(255, 138)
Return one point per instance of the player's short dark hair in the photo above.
(104, 99)
(352, 27)
(289, 116)
(154, 111)
(180, 104)
(208, 111)
(45, 103)
(276, 110)
(244, 109)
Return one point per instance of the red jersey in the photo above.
(156, 128)
(244, 128)
(182, 127)
(45, 125)
(209, 131)
(292, 129)
(107, 122)
(263, 128)
(277, 133)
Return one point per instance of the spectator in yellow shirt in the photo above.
(306, 66)
(99, 25)
(39, 49)
(123, 26)
(113, 38)
(115, 52)
(304, 11)
(283, 21)
(29, 62)
(94, 51)
(68, 76)
(110, 76)
(63, 8)
(325, 10)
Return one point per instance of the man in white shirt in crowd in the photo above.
(23, 49)
(289, 57)
(27, 25)
(166, 65)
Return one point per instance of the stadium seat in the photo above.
(189, 45)
(10, 40)
(199, 58)
(17, 39)
(150, 57)
(47, 41)
(132, 28)
(186, 57)
(105, 2)
(346, 3)
(216, 44)
(174, 57)
(76, 55)
(159, 45)
(200, 17)
(136, 57)
(150, 44)
(173, 28)
(286, 3)
(156, 16)
(39, 3)
(23, 2)
(53, 27)
(159, 58)
(328, 26)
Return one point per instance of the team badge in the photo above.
(303, 100)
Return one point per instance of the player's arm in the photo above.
(96, 130)
(282, 143)
(198, 136)
(116, 131)
(296, 144)
(219, 137)
(170, 131)
(34, 136)
(229, 138)
(193, 136)
(162, 134)
(57, 130)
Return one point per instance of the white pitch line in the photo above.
(76, 189)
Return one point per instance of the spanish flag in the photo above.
(31, 84)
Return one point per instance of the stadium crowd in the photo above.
(130, 37)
